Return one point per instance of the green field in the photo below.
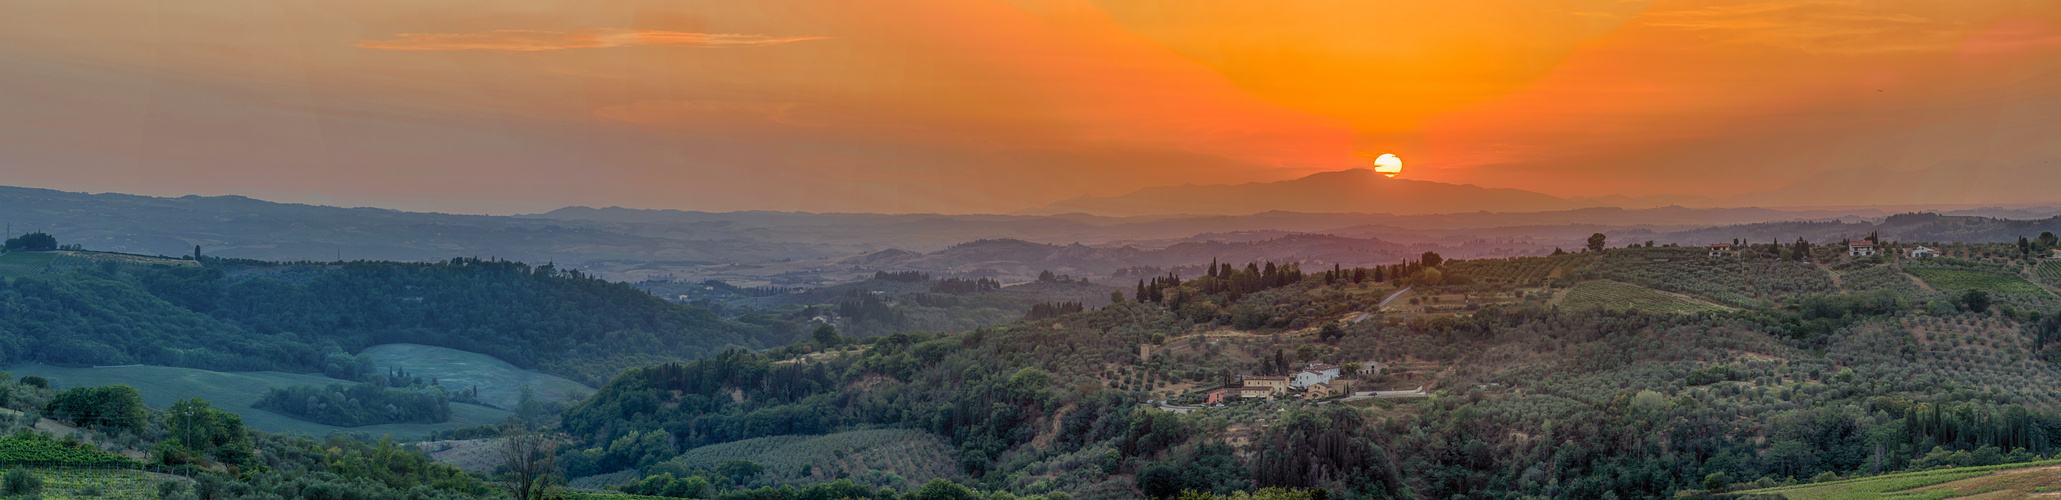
(1894, 485)
(99, 484)
(2049, 272)
(45, 451)
(1615, 295)
(1956, 280)
(235, 391)
(500, 384)
(19, 264)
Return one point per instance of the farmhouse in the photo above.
(1271, 383)
(1922, 252)
(1861, 248)
(1314, 374)
(1255, 392)
(2057, 253)
(1216, 396)
(1319, 391)
(1720, 249)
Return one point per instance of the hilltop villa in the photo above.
(1861, 248)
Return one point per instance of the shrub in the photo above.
(20, 482)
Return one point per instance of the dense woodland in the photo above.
(238, 315)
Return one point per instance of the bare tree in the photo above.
(532, 455)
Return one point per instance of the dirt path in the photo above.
(1384, 303)
(1921, 283)
(1837, 281)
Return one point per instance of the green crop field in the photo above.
(2049, 272)
(19, 264)
(1957, 280)
(99, 484)
(574, 495)
(235, 391)
(1614, 295)
(898, 458)
(500, 384)
(48, 452)
(1896, 485)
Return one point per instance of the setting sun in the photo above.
(1388, 164)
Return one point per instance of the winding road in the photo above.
(1384, 303)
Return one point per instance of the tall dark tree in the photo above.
(1976, 300)
(1596, 242)
(1433, 259)
(33, 242)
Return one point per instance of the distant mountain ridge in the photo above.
(1368, 192)
(1345, 191)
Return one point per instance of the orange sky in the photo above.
(997, 105)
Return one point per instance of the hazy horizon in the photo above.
(995, 106)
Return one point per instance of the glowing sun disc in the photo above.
(1388, 164)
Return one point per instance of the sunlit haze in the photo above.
(975, 106)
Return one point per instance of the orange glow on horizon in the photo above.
(999, 105)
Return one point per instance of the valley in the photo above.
(1424, 377)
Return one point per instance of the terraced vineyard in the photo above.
(1885, 278)
(1957, 280)
(19, 264)
(2025, 480)
(1520, 270)
(66, 261)
(1615, 295)
(2049, 272)
(41, 450)
(897, 458)
(100, 484)
(1683, 270)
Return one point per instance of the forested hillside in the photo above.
(1777, 364)
(247, 315)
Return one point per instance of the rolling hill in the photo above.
(1346, 191)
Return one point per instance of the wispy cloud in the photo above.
(596, 38)
(1833, 26)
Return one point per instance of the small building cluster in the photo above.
(1861, 248)
(1315, 381)
(1720, 249)
(1922, 253)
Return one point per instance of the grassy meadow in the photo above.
(500, 384)
(236, 391)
